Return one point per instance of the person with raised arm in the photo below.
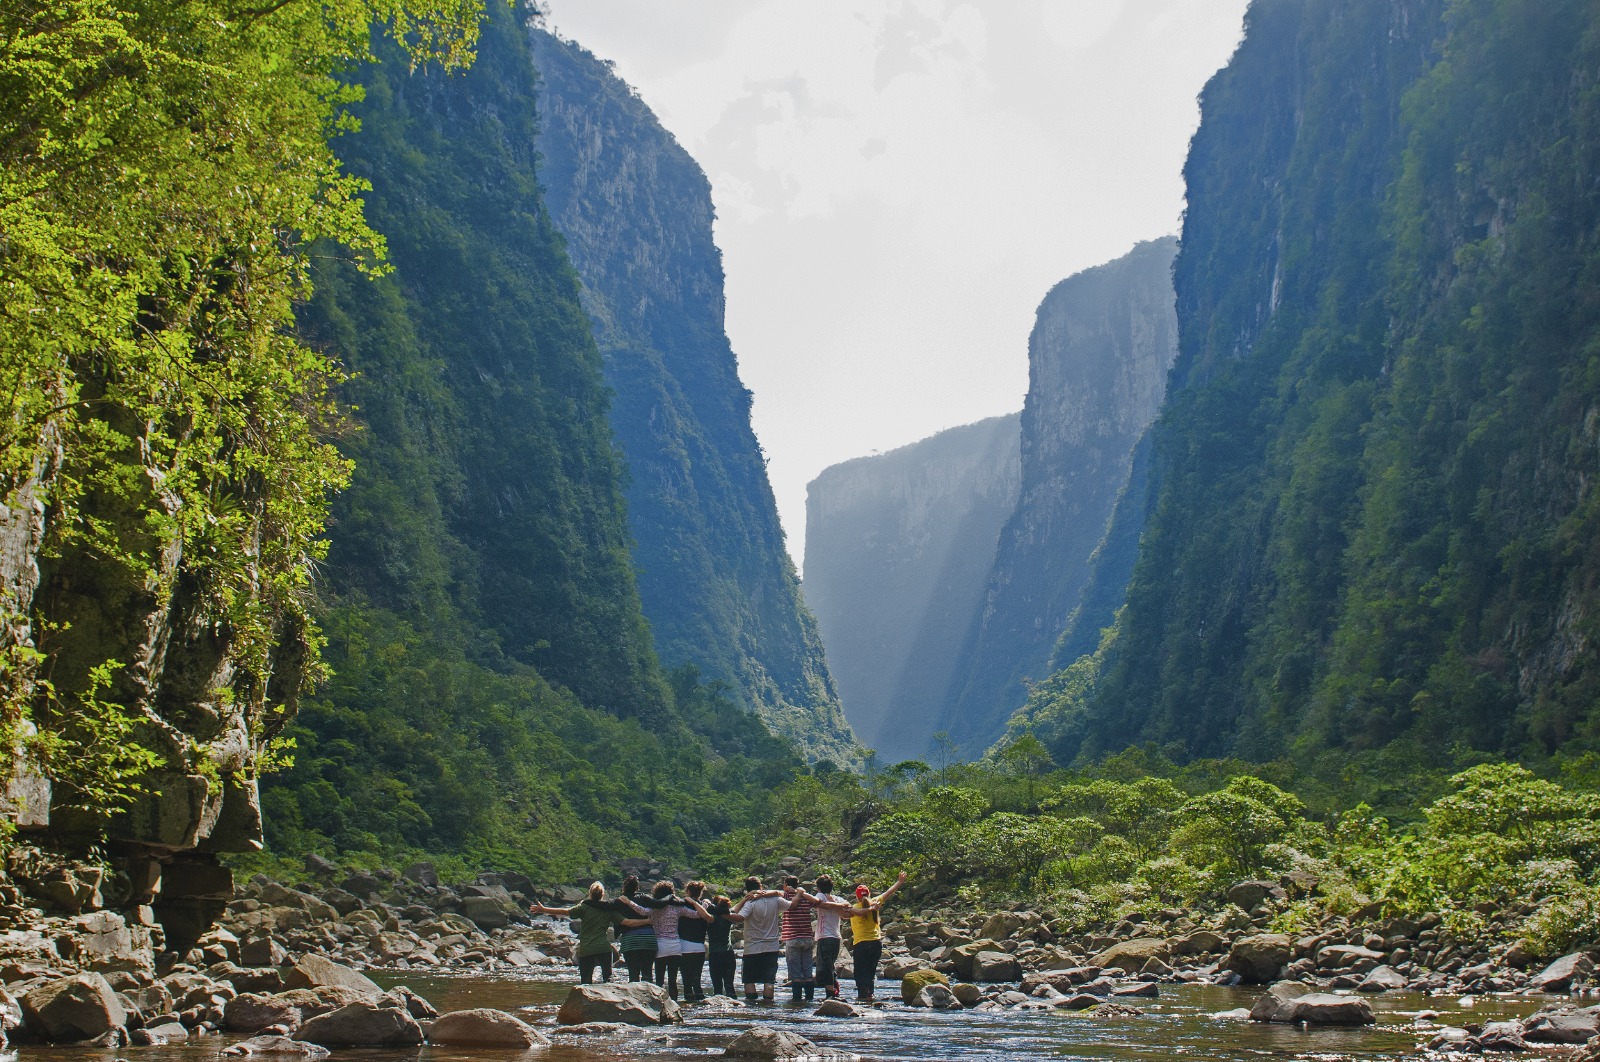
(866, 933)
(596, 916)
(665, 909)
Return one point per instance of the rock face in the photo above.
(714, 577)
(898, 549)
(1098, 359)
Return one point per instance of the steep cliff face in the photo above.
(1098, 360)
(1379, 452)
(716, 582)
(898, 549)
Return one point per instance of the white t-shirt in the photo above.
(763, 924)
(827, 921)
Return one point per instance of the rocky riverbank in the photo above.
(285, 956)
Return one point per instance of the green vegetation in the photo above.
(1370, 541)
(1139, 833)
(495, 699)
(163, 171)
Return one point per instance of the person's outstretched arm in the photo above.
(539, 908)
(891, 890)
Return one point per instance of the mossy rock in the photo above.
(917, 980)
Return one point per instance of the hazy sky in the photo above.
(898, 183)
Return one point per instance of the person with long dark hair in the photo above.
(866, 933)
(665, 905)
(693, 926)
(721, 959)
(637, 942)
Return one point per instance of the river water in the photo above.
(1181, 1024)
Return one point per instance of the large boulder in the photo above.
(917, 980)
(1560, 975)
(1290, 1003)
(1002, 925)
(1564, 1025)
(1382, 979)
(314, 971)
(1200, 942)
(994, 967)
(70, 1009)
(639, 1003)
(762, 1042)
(484, 1028)
(1250, 894)
(362, 1024)
(251, 1012)
(1257, 959)
(1131, 955)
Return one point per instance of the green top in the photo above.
(594, 920)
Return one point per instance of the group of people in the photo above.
(666, 937)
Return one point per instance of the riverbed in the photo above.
(1181, 1024)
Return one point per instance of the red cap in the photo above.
(862, 890)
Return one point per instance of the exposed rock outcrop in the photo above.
(898, 548)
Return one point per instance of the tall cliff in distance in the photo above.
(717, 585)
(1371, 537)
(1098, 359)
(898, 549)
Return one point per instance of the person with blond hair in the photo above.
(596, 916)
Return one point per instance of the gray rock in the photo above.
(836, 1008)
(484, 1028)
(361, 1024)
(485, 912)
(1200, 942)
(1382, 979)
(1257, 959)
(764, 1042)
(72, 1009)
(320, 866)
(639, 1003)
(937, 997)
(1501, 1036)
(1559, 975)
(1132, 954)
(250, 1013)
(1146, 990)
(1079, 1001)
(1289, 1003)
(168, 1032)
(992, 967)
(1250, 894)
(314, 971)
(278, 1045)
(424, 874)
(1001, 925)
(1566, 1025)
(261, 951)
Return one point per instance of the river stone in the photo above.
(1501, 1036)
(764, 1042)
(970, 995)
(1347, 956)
(915, 981)
(1289, 1003)
(1559, 975)
(1382, 979)
(71, 1009)
(1258, 959)
(314, 971)
(1562, 1027)
(1250, 894)
(1132, 954)
(167, 1032)
(278, 1045)
(1200, 942)
(836, 1008)
(1002, 925)
(638, 1003)
(938, 997)
(1077, 1001)
(484, 1028)
(362, 1024)
(993, 967)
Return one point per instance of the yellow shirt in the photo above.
(865, 926)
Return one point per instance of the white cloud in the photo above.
(899, 183)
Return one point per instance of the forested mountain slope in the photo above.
(495, 693)
(715, 579)
(1373, 524)
(899, 547)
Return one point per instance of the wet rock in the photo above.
(1449, 1039)
(915, 981)
(277, 1045)
(484, 1028)
(1560, 975)
(1289, 1003)
(1501, 1036)
(639, 1003)
(1563, 1025)
(72, 1009)
(361, 1024)
(970, 995)
(775, 1043)
(1077, 1001)
(169, 1032)
(938, 997)
(314, 971)
(599, 1028)
(1257, 959)
(251, 1013)
(1115, 1010)
(836, 1008)
(1147, 990)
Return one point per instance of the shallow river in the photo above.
(1178, 1025)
